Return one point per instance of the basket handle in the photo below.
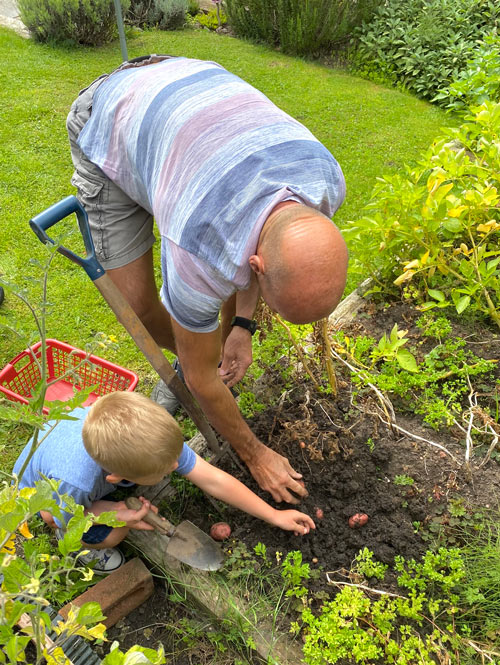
(44, 220)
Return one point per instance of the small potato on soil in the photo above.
(358, 520)
(319, 513)
(220, 531)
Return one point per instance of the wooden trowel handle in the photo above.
(159, 523)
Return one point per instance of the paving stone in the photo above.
(119, 593)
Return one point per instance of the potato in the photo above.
(358, 520)
(220, 531)
(319, 513)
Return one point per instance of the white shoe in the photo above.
(104, 561)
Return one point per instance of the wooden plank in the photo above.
(348, 308)
(202, 589)
(25, 622)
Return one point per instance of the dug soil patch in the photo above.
(354, 463)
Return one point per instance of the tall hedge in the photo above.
(302, 27)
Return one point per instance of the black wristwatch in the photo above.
(248, 324)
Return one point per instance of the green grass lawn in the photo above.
(370, 129)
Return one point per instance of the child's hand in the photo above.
(135, 518)
(292, 520)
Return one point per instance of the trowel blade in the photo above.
(191, 545)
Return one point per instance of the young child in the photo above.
(122, 440)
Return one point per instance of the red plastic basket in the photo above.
(21, 375)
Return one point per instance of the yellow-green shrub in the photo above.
(435, 232)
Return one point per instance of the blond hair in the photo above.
(129, 435)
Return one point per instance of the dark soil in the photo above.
(350, 461)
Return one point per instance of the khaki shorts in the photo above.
(121, 229)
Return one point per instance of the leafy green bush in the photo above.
(423, 45)
(436, 230)
(417, 629)
(162, 14)
(210, 20)
(91, 22)
(479, 81)
(304, 27)
(435, 387)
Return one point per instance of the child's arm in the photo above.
(225, 487)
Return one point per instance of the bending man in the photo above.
(242, 195)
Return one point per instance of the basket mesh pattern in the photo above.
(24, 382)
(68, 362)
(84, 373)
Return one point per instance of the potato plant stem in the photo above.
(299, 351)
(332, 379)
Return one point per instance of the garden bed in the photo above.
(354, 463)
(410, 485)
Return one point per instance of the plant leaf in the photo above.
(407, 360)
(462, 304)
(437, 295)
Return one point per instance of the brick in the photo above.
(118, 593)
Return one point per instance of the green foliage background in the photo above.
(422, 45)
(303, 27)
(91, 22)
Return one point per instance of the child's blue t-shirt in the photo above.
(61, 455)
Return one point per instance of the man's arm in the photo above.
(227, 488)
(199, 356)
(236, 341)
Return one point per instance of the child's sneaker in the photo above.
(105, 561)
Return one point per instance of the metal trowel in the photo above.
(187, 542)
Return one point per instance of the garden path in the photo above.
(9, 17)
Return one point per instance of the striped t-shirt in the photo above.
(209, 156)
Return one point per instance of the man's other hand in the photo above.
(236, 357)
(274, 474)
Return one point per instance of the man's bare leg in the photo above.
(137, 283)
(228, 310)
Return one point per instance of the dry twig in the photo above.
(363, 587)
(384, 401)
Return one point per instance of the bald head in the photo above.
(300, 263)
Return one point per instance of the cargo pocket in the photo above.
(90, 195)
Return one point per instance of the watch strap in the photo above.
(248, 324)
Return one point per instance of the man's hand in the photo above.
(275, 475)
(237, 356)
(48, 519)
